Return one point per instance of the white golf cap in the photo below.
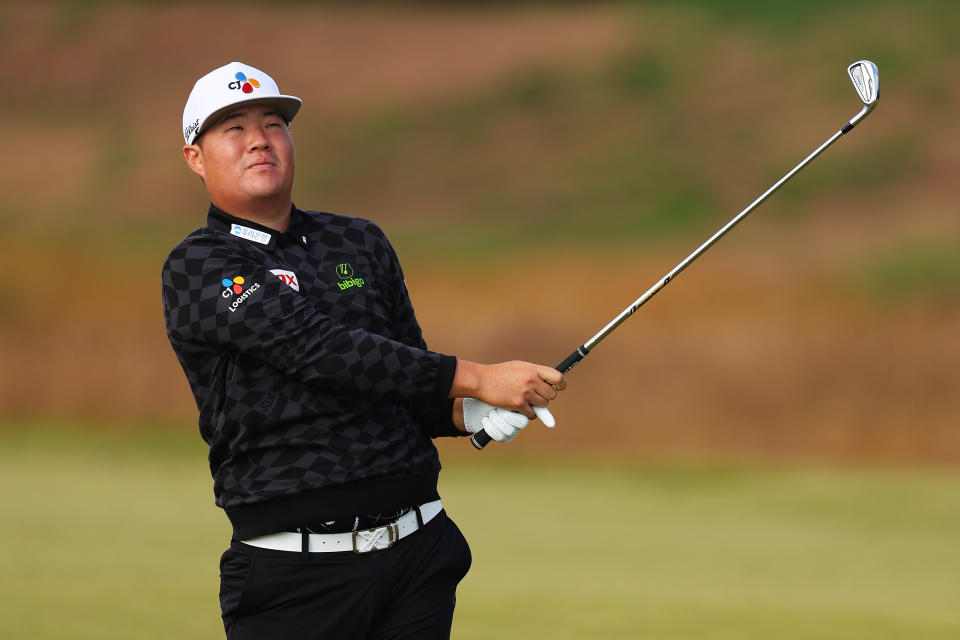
(226, 87)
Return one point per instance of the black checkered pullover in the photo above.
(317, 394)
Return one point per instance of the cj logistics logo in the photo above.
(345, 273)
(243, 83)
(234, 287)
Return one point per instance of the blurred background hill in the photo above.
(550, 159)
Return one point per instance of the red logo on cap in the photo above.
(245, 84)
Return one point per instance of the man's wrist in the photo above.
(466, 379)
(457, 416)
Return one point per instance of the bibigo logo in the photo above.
(242, 82)
(233, 287)
(345, 272)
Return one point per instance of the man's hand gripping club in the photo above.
(500, 424)
(502, 398)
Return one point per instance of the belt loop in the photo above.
(304, 542)
(419, 517)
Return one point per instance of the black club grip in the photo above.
(481, 438)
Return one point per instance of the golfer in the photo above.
(316, 392)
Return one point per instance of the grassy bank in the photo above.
(110, 535)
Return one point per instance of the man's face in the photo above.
(246, 156)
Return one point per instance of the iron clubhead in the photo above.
(866, 79)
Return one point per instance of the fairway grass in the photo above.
(110, 535)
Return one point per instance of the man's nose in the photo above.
(258, 139)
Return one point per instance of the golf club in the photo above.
(865, 77)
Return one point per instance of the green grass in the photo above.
(113, 534)
(917, 270)
(891, 160)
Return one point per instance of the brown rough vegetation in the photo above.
(756, 351)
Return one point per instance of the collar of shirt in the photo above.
(255, 232)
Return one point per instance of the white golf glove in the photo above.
(500, 424)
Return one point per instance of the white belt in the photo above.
(363, 541)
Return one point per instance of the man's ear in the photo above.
(193, 154)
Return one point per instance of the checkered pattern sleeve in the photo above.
(435, 418)
(255, 313)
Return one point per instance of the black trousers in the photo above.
(407, 591)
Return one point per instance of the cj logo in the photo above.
(345, 270)
(235, 285)
(245, 84)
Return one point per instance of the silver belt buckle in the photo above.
(375, 539)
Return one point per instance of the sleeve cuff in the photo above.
(445, 373)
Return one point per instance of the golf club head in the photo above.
(866, 80)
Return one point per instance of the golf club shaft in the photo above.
(481, 438)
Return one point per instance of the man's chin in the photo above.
(265, 189)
